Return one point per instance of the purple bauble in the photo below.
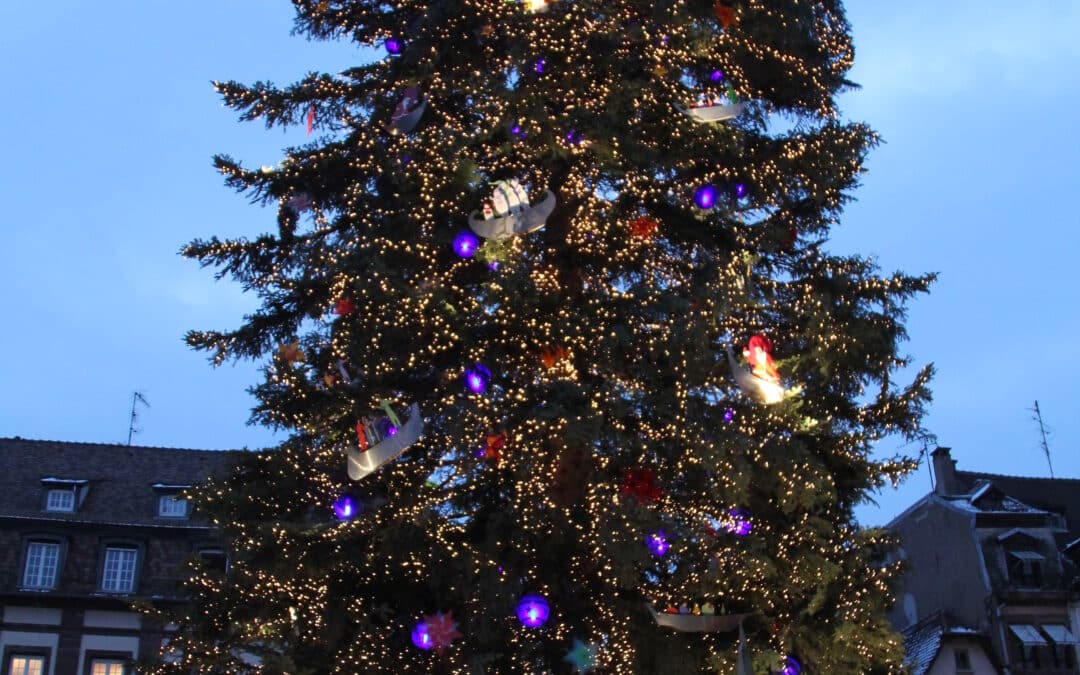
(344, 507)
(657, 543)
(729, 415)
(466, 243)
(716, 75)
(791, 666)
(420, 636)
(705, 197)
(477, 378)
(393, 46)
(533, 611)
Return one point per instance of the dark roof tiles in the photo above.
(120, 478)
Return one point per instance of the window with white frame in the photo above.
(60, 500)
(21, 664)
(106, 667)
(118, 570)
(172, 506)
(42, 561)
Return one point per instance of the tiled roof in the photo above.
(120, 479)
(922, 641)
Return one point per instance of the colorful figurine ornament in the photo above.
(762, 383)
(386, 445)
(508, 213)
(709, 108)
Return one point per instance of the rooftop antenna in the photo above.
(136, 397)
(1043, 431)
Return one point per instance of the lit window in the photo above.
(26, 665)
(118, 573)
(172, 506)
(60, 500)
(42, 559)
(106, 667)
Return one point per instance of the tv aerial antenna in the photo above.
(136, 397)
(1043, 431)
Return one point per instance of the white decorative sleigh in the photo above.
(698, 623)
(363, 462)
(510, 214)
(713, 113)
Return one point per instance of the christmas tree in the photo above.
(570, 380)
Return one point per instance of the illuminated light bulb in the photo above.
(533, 611)
(705, 197)
(465, 244)
(740, 190)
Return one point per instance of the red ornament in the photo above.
(641, 485)
(310, 118)
(344, 307)
(759, 353)
(643, 226)
(361, 437)
(724, 12)
(550, 356)
(442, 629)
(496, 441)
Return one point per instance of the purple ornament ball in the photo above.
(393, 46)
(533, 611)
(477, 378)
(344, 507)
(705, 197)
(420, 636)
(657, 543)
(466, 243)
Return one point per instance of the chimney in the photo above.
(944, 472)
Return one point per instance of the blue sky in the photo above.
(110, 122)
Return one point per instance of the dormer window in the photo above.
(1025, 568)
(60, 500)
(171, 501)
(172, 506)
(64, 495)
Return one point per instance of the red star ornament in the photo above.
(641, 485)
(344, 307)
(442, 629)
(643, 227)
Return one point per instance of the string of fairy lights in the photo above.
(632, 469)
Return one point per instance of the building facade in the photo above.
(85, 531)
(990, 555)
